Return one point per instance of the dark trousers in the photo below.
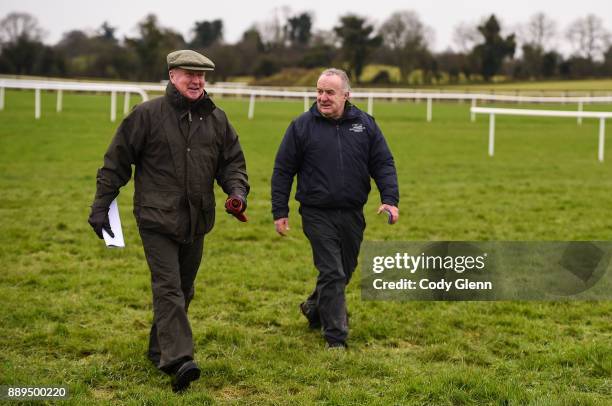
(173, 270)
(335, 237)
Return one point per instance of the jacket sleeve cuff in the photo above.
(279, 214)
(101, 204)
(238, 192)
(390, 202)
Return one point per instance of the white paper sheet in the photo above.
(115, 223)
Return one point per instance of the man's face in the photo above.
(331, 96)
(189, 83)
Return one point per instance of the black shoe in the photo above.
(154, 358)
(187, 373)
(311, 314)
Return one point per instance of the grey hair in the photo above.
(346, 85)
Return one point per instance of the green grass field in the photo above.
(77, 314)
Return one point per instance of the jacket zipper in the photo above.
(339, 146)
(341, 160)
(187, 152)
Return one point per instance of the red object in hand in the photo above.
(234, 207)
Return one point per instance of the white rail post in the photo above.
(491, 134)
(1, 98)
(370, 104)
(473, 115)
(602, 132)
(113, 112)
(306, 104)
(126, 103)
(58, 104)
(251, 106)
(37, 104)
(428, 109)
(580, 110)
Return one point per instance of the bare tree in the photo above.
(466, 36)
(17, 26)
(325, 37)
(535, 36)
(405, 27)
(273, 30)
(406, 35)
(539, 31)
(588, 36)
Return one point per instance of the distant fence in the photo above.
(429, 97)
(61, 86)
(307, 96)
(492, 112)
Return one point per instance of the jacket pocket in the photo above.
(208, 214)
(305, 180)
(158, 212)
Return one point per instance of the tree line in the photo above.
(286, 41)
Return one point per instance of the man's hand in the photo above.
(236, 205)
(98, 219)
(282, 226)
(391, 211)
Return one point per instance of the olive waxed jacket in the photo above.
(178, 149)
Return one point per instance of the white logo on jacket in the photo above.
(357, 127)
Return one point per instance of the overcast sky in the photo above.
(59, 16)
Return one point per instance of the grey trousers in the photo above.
(173, 270)
(335, 236)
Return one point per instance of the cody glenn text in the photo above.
(426, 284)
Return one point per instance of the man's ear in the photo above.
(171, 75)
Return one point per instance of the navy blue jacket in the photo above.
(333, 160)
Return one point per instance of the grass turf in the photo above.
(74, 313)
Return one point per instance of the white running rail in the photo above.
(492, 112)
(417, 96)
(307, 96)
(61, 86)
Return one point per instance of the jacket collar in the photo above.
(183, 105)
(350, 112)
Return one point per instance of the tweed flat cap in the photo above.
(188, 59)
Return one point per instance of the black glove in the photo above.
(236, 205)
(98, 219)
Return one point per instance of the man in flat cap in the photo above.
(179, 145)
